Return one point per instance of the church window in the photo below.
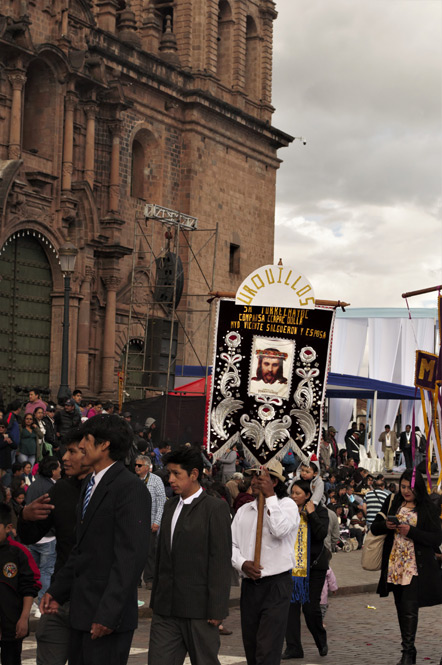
(39, 110)
(253, 68)
(224, 55)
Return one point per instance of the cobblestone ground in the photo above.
(357, 636)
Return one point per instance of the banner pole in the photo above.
(258, 541)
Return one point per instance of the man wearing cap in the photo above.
(64, 421)
(266, 588)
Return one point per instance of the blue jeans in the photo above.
(26, 458)
(44, 555)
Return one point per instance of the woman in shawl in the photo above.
(309, 573)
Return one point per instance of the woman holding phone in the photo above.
(409, 566)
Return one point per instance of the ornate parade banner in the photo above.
(269, 371)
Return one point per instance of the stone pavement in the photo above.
(357, 634)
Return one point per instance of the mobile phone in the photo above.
(393, 518)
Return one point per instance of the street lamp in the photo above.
(67, 254)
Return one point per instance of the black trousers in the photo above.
(53, 636)
(264, 606)
(171, 638)
(149, 568)
(11, 652)
(312, 614)
(111, 649)
(408, 456)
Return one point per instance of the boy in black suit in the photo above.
(101, 575)
(191, 585)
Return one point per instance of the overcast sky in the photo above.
(359, 206)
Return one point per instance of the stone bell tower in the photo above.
(108, 105)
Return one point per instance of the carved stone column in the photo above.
(108, 355)
(107, 15)
(114, 180)
(18, 80)
(151, 29)
(68, 140)
(84, 313)
(89, 154)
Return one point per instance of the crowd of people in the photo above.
(95, 506)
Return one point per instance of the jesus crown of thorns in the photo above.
(274, 353)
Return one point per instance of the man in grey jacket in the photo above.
(228, 464)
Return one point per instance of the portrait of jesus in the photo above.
(271, 367)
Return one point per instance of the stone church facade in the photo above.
(106, 105)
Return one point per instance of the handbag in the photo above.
(371, 558)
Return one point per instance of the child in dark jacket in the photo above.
(19, 584)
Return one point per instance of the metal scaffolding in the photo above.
(169, 291)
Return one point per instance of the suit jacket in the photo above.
(393, 441)
(101, 575)
(192, 578)
(404, 443)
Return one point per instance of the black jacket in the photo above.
(61, 521)
(5, 452)
(65, 421)
(17, 580)
(192, 578)
(427, 537)
(318, 523)
(101, 575)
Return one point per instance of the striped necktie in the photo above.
(87, 496)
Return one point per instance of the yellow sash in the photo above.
(301, 549)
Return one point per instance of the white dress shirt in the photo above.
(98, 476)
(178, 510)
(280, 526)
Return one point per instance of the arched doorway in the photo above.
(25, 316)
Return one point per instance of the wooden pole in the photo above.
(328, 303)
(418, 293)
(258, 541)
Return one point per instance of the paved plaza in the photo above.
(357, 634)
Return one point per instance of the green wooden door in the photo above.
(25, 316)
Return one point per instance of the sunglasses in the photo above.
(140, 465)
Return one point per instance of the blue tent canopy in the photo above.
(346, 385)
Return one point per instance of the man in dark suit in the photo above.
(406, 446)
(101, 575)
(191, 585)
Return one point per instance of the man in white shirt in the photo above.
(266, 589)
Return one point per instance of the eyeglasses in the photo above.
(140, 465)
